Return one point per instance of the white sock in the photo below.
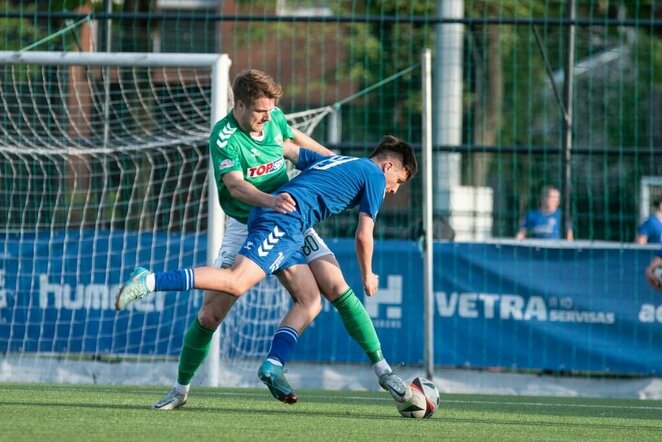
(275, 362)
(181, 388)
(381, 367)
(150, 281)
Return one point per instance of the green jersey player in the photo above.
(248, 150)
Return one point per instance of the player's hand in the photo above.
(652, 280)
(283, 203)
(371, 284)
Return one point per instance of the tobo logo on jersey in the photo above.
(266, 169)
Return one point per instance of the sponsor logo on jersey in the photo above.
(265, 169)
(226, 164)
(225, 134)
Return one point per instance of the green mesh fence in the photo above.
(513, 56)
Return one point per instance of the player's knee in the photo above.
(238, 289)
(316, 305)
(312, 305)
(334, 290)
(208, 318)
(215, 307)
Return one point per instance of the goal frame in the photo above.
(219, 64)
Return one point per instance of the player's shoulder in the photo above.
(534, 214)
(278, 112)
(652, 222)
(224, 131)
(647, 221)
(364, 167)
(227, 123)
(374, 176)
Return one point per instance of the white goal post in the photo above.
(104, 167)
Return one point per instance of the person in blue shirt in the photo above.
(650, 231)
(544, 222)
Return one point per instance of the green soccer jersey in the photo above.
(260, 160)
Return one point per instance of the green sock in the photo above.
(197, 341)
(359, 325)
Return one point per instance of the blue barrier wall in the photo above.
(496, 305)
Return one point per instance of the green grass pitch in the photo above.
(39, 412)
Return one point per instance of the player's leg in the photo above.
(357, 322)
(235, 281)
(300, 283)
(196, 345)
(272, 240)
(198, 336)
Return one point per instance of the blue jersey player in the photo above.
(327, 185)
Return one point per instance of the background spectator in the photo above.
(650, 231)
(544, 222)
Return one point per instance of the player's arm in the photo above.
(303, 140)
(650, 276)
(570, 235)
(291, 151)
(244, 191)
(364, 243)
(642, 236)
(522, 232)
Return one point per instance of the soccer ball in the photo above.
(424, 399)
(657, 272)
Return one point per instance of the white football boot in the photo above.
(174, 399)
(397, 388)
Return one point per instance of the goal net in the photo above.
(103, 168)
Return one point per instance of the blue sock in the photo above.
(177, 280)
(283, 343)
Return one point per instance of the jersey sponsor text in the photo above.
(265, 169)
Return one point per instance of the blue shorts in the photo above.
(274, 241)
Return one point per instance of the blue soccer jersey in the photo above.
(327, 185)
(541, 225)
(330, 185)
(652, 229)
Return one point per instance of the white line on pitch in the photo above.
(387, 398)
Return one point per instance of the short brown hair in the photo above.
(252, 84)
(393, 145)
